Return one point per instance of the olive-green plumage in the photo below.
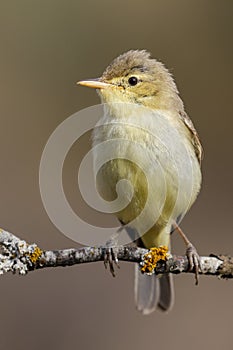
(144, 110)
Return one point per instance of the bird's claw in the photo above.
(193, 260)
(110, 258)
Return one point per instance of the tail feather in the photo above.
(153, 292)
(166, 300)
(146, 292)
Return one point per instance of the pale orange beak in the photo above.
(94, 83)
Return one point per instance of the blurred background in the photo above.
(46, 46)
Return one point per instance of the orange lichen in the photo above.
(151, 258)
(35, 255)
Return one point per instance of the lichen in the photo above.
(35, 254)
(17, 255)
(151, 258)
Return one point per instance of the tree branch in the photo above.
(18, 256)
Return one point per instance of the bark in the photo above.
(18, 256)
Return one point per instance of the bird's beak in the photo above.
(94, 83)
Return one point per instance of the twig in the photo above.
(18, 256)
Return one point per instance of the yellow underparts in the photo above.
(151, 258)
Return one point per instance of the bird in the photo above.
(144, 117)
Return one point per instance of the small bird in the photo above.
(143, 109)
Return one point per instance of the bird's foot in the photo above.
(191, 253)
(110, 259)
(194, 260)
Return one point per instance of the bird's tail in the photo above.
(153, 292)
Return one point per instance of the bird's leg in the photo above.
(110, 254)
(191, 253)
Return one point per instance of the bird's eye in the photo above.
(133, 81)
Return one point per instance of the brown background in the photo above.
(45, 47)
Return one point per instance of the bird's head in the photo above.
(135, 77)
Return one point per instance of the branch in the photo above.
(18, 256)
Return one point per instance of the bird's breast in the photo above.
(151, 154)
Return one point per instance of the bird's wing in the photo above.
(195, 138)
